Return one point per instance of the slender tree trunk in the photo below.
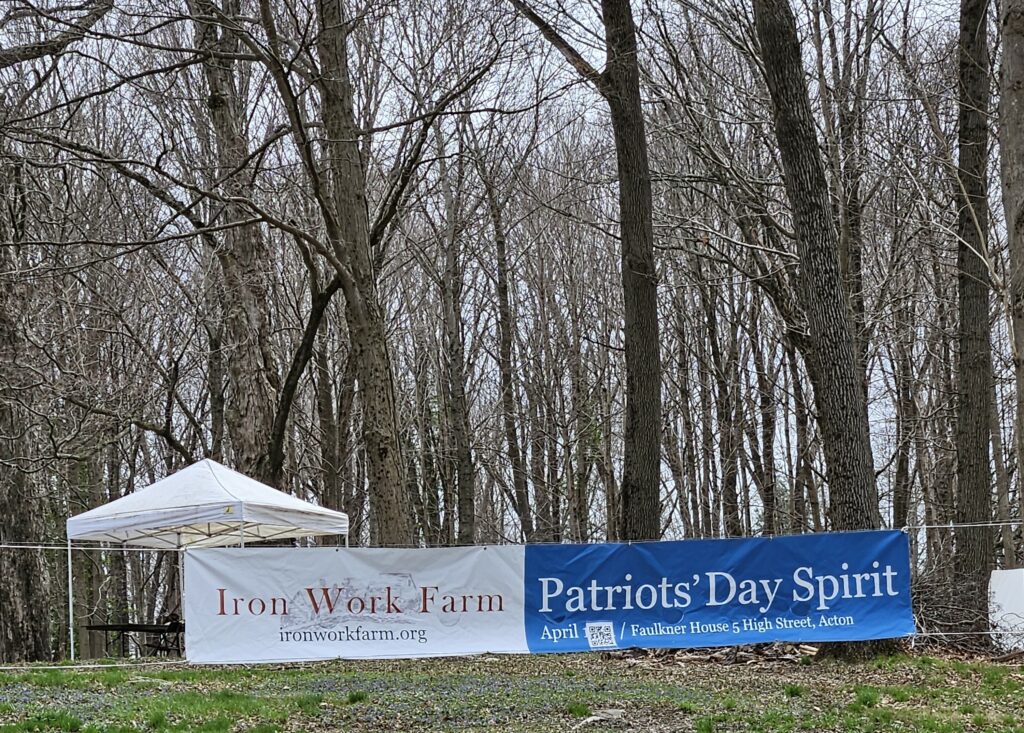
(724, 368)
(582, 447)
(520, 490)
(766, 410)
(709, 475)
(1002, 487)
(327, 417)
(906, 427)
(216, 370)
(538, 450)
(455, 367)
(798, 491)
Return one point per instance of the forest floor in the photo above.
(589, 693)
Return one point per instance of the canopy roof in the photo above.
(205, 505)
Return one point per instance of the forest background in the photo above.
(513, 272)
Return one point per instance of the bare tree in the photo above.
(832, 359)
(973, 556)
(1011, 151)
(619, 84)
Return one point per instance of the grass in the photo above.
(578, 710)
(866, 697)
(357, 696)
(705, 725)
(521, 695)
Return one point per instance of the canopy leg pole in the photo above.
(181, 585)
(181, 581)
(71, 607)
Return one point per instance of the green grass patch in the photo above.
(112, 677)
(357, 696)
(899, 693)
(56, 720)
(308, 704)
(793, 690)
(866, 697)
(578, 710)
(705, 724)
(157, 720)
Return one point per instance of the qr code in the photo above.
(601, 635)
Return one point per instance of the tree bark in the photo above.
(639, 495)
(1011, 156)
(973, 545)
(520, 491)
(24, 575)
(390, 505)
(454, 355)
(242, 254)
(640, 490)
(832, 356)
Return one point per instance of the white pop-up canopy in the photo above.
(204, 505)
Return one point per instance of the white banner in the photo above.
(286, 604)
(298, 604)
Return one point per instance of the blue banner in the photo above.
(697, 593)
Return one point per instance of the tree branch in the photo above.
(29, 51)
(565, 48)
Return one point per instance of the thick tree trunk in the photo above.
(1011, 152)
(973, 553)
(640, 491)
(25, 597)
(390, 504)
(242, 253)
(832, 355)
(638, 510)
